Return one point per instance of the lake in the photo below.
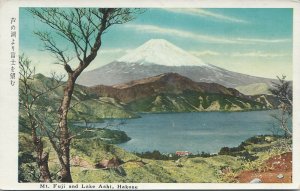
(194, 132)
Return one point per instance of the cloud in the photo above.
(205, 53)
(178, 33)
(200, 37)
(253, 40)
(258, 54)
(240, 54)
(206, 13)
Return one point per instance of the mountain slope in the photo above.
(254, 89)
(168, 92)
(159, 56)
(84, 106)
(191, 101)
(169, 83)
(172, 92)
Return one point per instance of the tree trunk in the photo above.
(65, 105)
(64, 131)
(42, 158)
(43, 166)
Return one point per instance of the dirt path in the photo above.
(278, 169)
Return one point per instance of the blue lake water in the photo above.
(194, 132)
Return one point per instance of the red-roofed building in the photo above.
(183, 153)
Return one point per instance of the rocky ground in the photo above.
(277, 169)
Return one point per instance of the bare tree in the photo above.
(31, 102)
(82, 29)
(283, 91)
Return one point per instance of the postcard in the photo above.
(135, 95)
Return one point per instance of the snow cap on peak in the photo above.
(157, 42)
(161, 52)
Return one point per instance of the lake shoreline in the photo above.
(225, 150)
(195, 132)
(168, 112)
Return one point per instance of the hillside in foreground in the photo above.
(252, 157)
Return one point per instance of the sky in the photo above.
(254, 41)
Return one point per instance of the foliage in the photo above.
(156, 155)
(191, 101)
(202, 154)
(107, 135)
(27, 168)
(27, 172)
(243, 150)
(283, 91)
(40, 116)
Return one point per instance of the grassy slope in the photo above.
(192, 170)
(86, 152)
(254, 89)
(195, 170)
(193, 101)
(84, 106)
(97, 110)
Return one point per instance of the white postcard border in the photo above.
(9, 94)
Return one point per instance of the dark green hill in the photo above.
(84, 106)
(172, 92)
(169, 92)
(191, 101)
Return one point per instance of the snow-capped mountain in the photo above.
(158, 56)
(160, 51)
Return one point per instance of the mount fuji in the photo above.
(162, 52)
(158, 56)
